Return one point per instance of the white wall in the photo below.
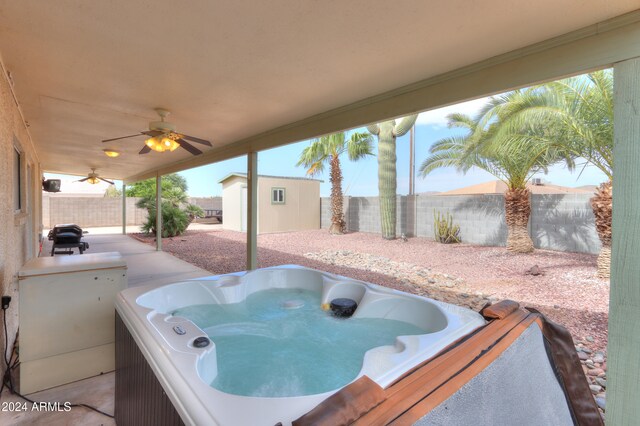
(232, 202)
(301, 209)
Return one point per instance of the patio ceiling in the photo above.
(228, 71)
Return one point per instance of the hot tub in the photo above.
(215, 385)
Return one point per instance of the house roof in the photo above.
(499, 187)
(87, 71)
(244, 175)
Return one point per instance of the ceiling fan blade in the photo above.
(145, 149)
(123, 137)
(106, 180)
(82, 180)
(186, 145)
(152, 133)
(196, 140)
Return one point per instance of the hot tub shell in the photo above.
(184, 371)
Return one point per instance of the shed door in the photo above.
(243, 209)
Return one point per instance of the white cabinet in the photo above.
(67, 318)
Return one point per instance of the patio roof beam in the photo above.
(158, 212)
(624, 299)
(252, 210)
(124, 209)
(596, 46)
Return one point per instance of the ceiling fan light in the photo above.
(110, 153)
(170, 144)
(155, 143)
(93, 180)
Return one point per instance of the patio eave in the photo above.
(589, 48)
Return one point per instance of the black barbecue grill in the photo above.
(67, 236)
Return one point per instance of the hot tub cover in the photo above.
(432, 391)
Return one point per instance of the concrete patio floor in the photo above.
(145, 266)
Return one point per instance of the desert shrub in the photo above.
(174, 220)
(193, 211)
(444, 229)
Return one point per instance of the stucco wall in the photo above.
(19, 232)
(562, 222)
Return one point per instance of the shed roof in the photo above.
(244, 175)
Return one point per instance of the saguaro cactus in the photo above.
(387, 132)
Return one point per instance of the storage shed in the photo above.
(284, 203)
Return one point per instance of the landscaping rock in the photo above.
(601, 403)
(583, 356)
(602, 382)
(595, 372)
(595, 389)
(534, 270)
(598, 357)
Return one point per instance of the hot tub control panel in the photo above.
(179, 330)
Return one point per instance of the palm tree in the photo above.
(577, 116)
(329, 149)
(387, 132)
(477, 149)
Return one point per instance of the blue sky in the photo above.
(360, 178)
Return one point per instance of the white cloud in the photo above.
(438, 117)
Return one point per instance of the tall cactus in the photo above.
(387, 132)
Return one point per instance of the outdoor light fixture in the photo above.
(161, 144)
(93, 180)
(110, 153)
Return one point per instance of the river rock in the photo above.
(595, 389)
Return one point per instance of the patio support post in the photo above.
(124, 208)
(158, 212)
(624, 302)
(252, 210)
